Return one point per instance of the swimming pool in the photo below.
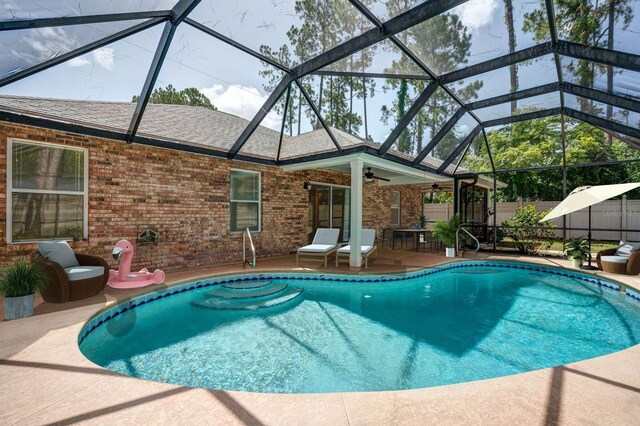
(293, 333)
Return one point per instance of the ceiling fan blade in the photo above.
(385, 179)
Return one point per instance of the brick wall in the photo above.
(186, 196)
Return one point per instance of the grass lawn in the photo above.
(596, 246)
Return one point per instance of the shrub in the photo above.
(529, 241)
(22, 279)
(445, 230)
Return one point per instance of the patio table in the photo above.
(415, 232)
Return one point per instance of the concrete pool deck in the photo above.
(44, 379)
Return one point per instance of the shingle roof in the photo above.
(189, 125)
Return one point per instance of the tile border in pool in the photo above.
(112, 312)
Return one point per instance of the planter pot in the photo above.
(577, 262)
(18, 307)
(450, 252)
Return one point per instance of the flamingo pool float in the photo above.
(123, 277)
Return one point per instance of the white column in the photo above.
(355, 258)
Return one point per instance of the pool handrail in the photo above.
(468, 233)
(245, 234)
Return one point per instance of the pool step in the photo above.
(240, 304)
(250, 293)
(247, 285)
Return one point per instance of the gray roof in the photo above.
(189, 125)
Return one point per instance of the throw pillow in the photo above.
(58, 252)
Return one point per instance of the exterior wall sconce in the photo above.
(307, 186)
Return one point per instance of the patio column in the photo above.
(355, 258)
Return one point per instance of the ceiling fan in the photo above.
(437, 187)
(370, 176)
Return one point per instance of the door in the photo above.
(329, 208)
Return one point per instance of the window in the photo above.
(395, 208)
(245, 200)
(46, 192)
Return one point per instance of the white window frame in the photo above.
(399, 215)
(259, 201)
(11, 190)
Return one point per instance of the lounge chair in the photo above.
(624, 259)
(70, 276)
(324, 244)
(367, 247)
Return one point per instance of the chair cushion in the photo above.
(615, 259)
(347, 249)
(316, 248)
(626, 248)
(58, 252)
(76, 273)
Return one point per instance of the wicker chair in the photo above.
(60, 289)
(631, 267)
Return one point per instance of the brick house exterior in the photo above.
(186, 196)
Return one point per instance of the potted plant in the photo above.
(422, 220)
(445, 232)
(576, 250)
(18, 284)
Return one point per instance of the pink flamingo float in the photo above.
(123, 277)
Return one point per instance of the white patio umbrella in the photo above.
(586, 196)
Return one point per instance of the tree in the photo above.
(513, 68)
(443, 43)
(539, 143)
(322, 26)
(582, 21)
(169, 95)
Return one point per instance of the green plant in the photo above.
(445, 230)
(22, 279)
(528, 233)
(577, 248)
(422, 220)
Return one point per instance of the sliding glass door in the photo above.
(329, 207)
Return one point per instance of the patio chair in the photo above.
(71, 276)
(625, 259)
(324, 244)
(367, 248)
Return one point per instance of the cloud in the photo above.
(80, 61)
(40, 44)
(477, 13)
(242, 101)
(103, 57)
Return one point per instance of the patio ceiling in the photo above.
(99, 24)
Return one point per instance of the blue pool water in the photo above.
(444, 325)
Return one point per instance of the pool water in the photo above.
(453, 325)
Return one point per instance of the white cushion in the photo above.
(626, 248)
(316, 248)
(615, 259)
(326, 236)
(347, 249)
(58, 252)
(76, 273)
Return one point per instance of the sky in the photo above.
(230, 78)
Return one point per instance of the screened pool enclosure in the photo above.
(418, 83)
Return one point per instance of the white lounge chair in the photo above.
(367, 247)
(325, 243)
